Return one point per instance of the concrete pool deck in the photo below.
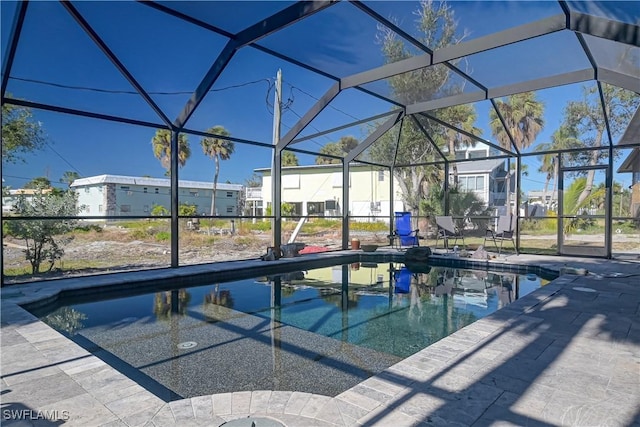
(567, 354)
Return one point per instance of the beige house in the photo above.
(316, 190)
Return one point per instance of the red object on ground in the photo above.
(313, 249)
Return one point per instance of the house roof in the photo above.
(480, 166)
(631, 163)
(151, 182)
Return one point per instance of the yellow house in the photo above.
(316, 190)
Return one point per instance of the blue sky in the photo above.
(167, 55)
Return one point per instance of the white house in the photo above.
(117, 195)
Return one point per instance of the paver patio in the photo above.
(567, 354)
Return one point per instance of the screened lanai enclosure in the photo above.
(152, 134)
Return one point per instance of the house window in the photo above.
(124, 187)
(146, 208)
(315, 208)
(229, 209)
(125, 208)
(479, 182)
(86, 190)
(157, 190)
(193, 193)
(229, 193)
(380, 175)
(144, 189)
(99, 208)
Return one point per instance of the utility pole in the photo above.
(275, 190)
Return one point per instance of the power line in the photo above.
(132, 92)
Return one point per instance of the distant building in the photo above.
(116, 195)
(317, 189)
(9, 201)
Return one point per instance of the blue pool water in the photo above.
(321, 331)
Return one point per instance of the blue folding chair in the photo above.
(403, 234)
(402, 280)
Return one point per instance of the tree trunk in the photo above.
(215, 186)
(592, 173)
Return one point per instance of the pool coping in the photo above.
(118, 400)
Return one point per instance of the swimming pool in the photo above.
(322, 330)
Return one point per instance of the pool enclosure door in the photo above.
(583, 216)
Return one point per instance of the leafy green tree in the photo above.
(217, 149)
(587, 120)
(463, 206)
(68, 177)
(44, 238)
(289, 158)
(40, 182)
(437, 28)
(20, 133)
(161, 143)
(522, 114)
(186, 209)
(338, 149)
(159, 210)
(66, 319)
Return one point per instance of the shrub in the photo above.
(44, 238)
(163, 236)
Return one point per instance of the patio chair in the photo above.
(403, 234)
(447, 230)
(503, 231)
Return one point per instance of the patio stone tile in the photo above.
(222, 404)
(9, 337)
(350, 410)
(116, 391)
(364, 397)
(202, 406)
(313, 406)
(81, 364)
(240, 402)
(83, 410)
(259, 401)
(134, 403)
(296, 402)
(330, 412)
(47, 390)
(278, 401)
(142, 417)
(16, 368)
(419, 405)
(385, 384)
(116, 423)
(577, 382)
(384, 416)
(163, 416)
(182, 409)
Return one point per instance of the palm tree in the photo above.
(522, 114)
(289, 158)
(217, 149)
(564, 137)
(68, 177)
(161, 143)
(462, 117)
